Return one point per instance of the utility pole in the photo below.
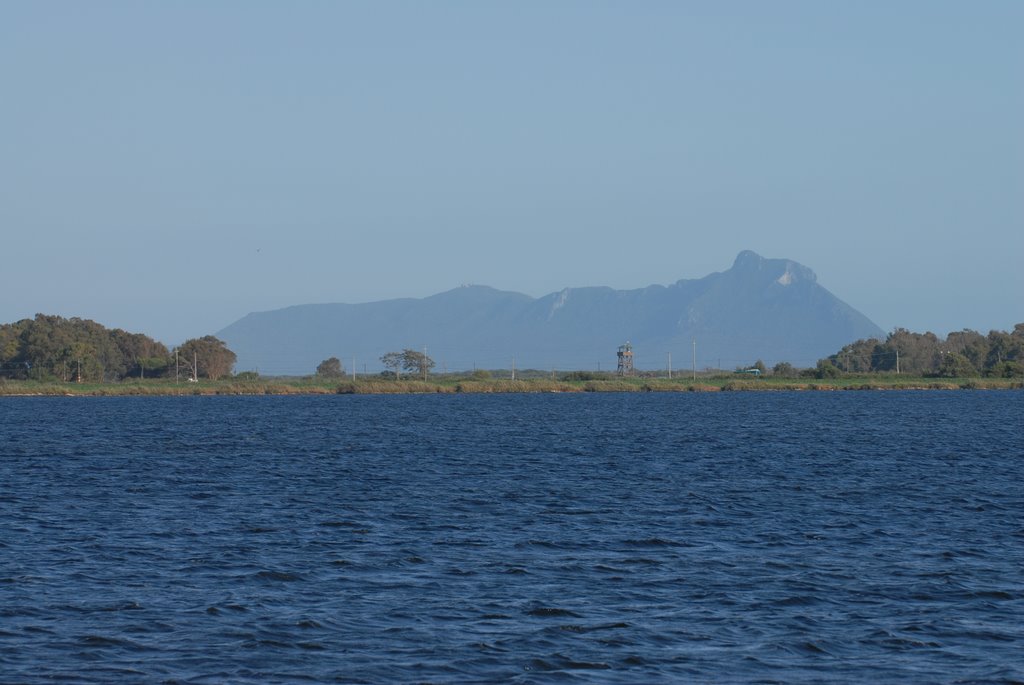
(513, 367)
(670, 366)
(353, 368)
(694, 359)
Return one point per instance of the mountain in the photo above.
(769, 309)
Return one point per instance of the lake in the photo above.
(610, 538)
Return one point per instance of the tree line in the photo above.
(68, 349)
(962, 354)
(55, 348)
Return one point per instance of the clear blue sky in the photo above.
(168, 167)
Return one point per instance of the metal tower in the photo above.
(625, 360)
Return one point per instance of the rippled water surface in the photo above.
(739, 537)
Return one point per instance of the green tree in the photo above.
(83, 363)
(393, 361)
(49, 346)
(206, 357)
(858, 357)
(330, 368)
(10, 334)
(918, 353)
(140, 354)
(784, 370)
(955, 365)
(1004, 347)
(971, 344)
(417, 362)
(1007, 369)
(826, 369)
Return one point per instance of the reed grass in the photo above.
(378, 385)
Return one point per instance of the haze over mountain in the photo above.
(769, 309)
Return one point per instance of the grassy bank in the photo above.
(457, 384)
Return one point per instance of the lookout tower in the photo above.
(625, 360)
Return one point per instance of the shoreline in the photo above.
(378, 386)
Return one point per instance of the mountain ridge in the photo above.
(770, 309)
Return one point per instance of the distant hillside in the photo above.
(769, 309)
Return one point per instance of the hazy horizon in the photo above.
(169, 168)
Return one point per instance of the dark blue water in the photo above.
(739, 537)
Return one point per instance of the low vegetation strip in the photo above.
(378, 385)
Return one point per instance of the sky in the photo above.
(168, 167)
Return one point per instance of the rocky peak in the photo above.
(782, 271)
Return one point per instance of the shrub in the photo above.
(826, 369)
(580, 376)
(784, 370)
(1007, 369)
(330, 368)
